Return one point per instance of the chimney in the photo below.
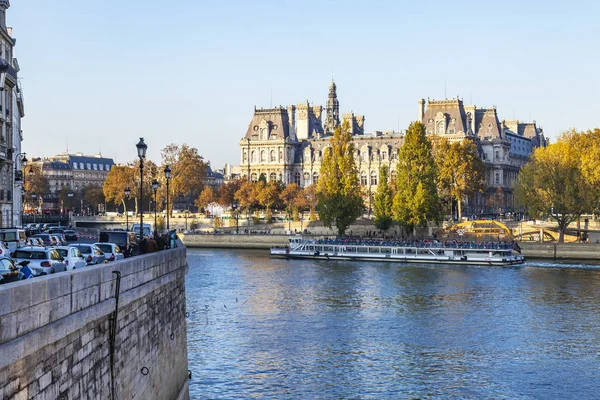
(421, 110)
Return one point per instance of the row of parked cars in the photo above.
(47, 253)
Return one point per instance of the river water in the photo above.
(300, 329)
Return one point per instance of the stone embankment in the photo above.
(565, 252)
(58, 339)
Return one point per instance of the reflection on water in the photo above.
(278, 329)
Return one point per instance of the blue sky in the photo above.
(103, 73)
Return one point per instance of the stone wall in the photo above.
(55, 332)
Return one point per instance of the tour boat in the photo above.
(418, 251)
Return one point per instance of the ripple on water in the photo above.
(277, 329)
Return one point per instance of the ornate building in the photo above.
(11, 112)
(287, 144)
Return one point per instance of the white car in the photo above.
(72, 256)
(42, 261)
(111, 251)
(4, 250)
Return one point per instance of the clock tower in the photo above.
(333, 110)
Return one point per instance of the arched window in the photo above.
(254, 177)
(244, 157)
(263, 156)
(373, 178)
(307, 178)
(254, 159)
(440, 128)
(384, 155)
(315, 177)
(272, 176)
(363, 178)
(297, 178)
(273, 156)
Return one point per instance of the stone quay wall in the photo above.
(56, 339)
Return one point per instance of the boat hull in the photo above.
(465, 260)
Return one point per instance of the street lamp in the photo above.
(236, 210)
(127, 193)
(33, 197)
(21, 159)
(154, 187)
(168, 176)
(141, 149)
(70, 196)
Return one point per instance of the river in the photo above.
(300, 329)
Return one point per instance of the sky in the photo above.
(97, 75)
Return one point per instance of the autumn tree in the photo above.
(227, 193)
(416, 200)
(587, 144)
(461, 172)
(206, 197)
(117, 180)
(246, 197)
(188, 171)
(383, 201)
(339, 200)
(36, 184)
(294, 200)
(268, 196)
(552, 184)
(310, 194)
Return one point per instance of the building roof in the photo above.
(83, 160)
(276, 120)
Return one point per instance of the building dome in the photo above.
(332, 85)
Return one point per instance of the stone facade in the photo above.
(55, 332)
(287, 144)
(11, 136)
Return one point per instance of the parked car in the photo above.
(125, 240)
(14, 238)
(9, 271)
(47, 239)
(91, 253)
(35, 242)
(70, 235)
(55, 230)
(72, 256)
(111, 251)
(41, 260)
(59, 239)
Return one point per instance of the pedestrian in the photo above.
(151, 245)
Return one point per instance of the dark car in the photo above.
(125, 240)
(70, 235)
(55, 230)
(46, 238)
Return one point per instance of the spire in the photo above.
(333, 109)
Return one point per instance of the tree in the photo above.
(587, 144)
(66, 202)
(416, 200)
(227, 193)
(206, 197)
(310, 194)
(382, 204)
(461, 172)
(552, 184)
(36, 184)
(188, 171)
(268, 196)
(293, 198)
(93, 196)
(245, 196)
(339, 200)
(117, 180)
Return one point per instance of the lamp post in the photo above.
(236, 210)
(141, 149)
(70, 196)
(33, 197)
(127, 193)
(21, 159)
(168, 176)
(155, 188)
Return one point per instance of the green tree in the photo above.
(461, 172)
(416, 200)
(552, 184)
(339, 200)
(383, 201)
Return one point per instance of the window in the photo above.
(254, 177)
(297, 178)
(497, 155)
(497, 179)
(273, 156)
(373, 178)
(95, 167)
(272, 176)
(384, 155)
(263, 156)
(315, 177)
(307, 178)
(74, 165)
(440, 128)
(89, 166)
(363, 178)
(254, 156)
(244, 157)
